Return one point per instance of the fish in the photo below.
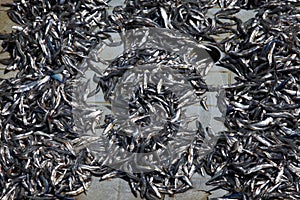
(45, 152)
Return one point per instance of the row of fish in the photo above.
(45, 116)
(150, 140)
(258, 157)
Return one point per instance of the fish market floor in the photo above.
(118, 189)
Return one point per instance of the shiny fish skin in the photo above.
(44, 85)
(256, 157)
(38, 123)
(39, 147)
(119, 66)
(45, 119)
(51, 26)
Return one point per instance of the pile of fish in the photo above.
(258, 158)
(45, 117)
(39, 132)
(42, 115)
(149, 141)
(53, 36)
(108, 81)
